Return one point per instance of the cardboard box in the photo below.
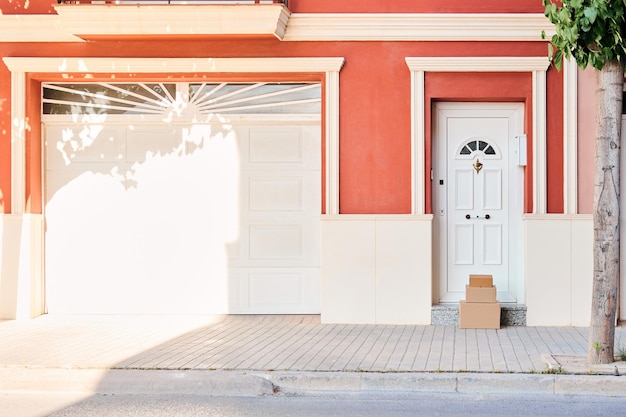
(481, 281)
(479, 315)
(480, 294)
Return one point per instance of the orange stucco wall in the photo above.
(375, 115)
(554, 141)
(415, 6)
(586, 138)
(341, 6)
(5, 140)
(33, 148)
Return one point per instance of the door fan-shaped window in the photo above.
(163, 98)
(478, 145)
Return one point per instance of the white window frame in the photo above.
(20, 66)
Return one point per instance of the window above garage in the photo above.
(167, 98)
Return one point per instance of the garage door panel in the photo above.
(275, 146)
(280, 147)
(276, 194)
(285, 244)
(254, 291)
(262, 285)
(263, 192)
(79, 183)
(276, 242)
(143, 143)
(69, 145)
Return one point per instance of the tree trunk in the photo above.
(609, 87)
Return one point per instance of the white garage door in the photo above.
(196, 214)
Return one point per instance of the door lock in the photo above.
(486, 217)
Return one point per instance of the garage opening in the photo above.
(182, 198)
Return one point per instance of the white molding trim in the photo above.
(418, 141)
(570, 136)
(33, 28)
(478, 64)
(332, 143)
(540, 172)
(107, 20)
(418, 27)
(557, 216)
(379, 217)
(537, 65)
(18, 142)
(330, 66)
(272, 20)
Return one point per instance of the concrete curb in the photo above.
(317, 383)
(134, 382)
(264, 383)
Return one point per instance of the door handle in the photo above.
(486, 217)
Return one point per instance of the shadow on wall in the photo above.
(139, 216)
(9, 251)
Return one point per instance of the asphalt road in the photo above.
(361, 405)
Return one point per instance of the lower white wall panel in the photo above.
(403, 271)
(582, 270)
(348, 271)
(21, 276)
(558, 269)
(376, 269)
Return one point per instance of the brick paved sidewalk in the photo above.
(278, 342)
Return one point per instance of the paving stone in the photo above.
(282, 342)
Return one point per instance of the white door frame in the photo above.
(515, 112)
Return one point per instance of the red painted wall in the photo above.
(27, 6)
(414, 6)
(5, 140)
(586, 138)
(33, 197)
(375, 128)
(554, 141)
(341, 6)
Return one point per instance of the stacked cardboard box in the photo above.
(479, 310)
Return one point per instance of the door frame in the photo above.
(515, 186)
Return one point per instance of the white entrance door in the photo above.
(477, 188)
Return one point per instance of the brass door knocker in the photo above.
(478, 166)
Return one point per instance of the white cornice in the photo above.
(33, 28)
(107, 20)
(478, 64)
(418, 27)
(172, 65)
(193, 20)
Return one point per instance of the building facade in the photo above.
(354, 159)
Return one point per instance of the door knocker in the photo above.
(478, 166)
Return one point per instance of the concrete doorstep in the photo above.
(257, 383)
